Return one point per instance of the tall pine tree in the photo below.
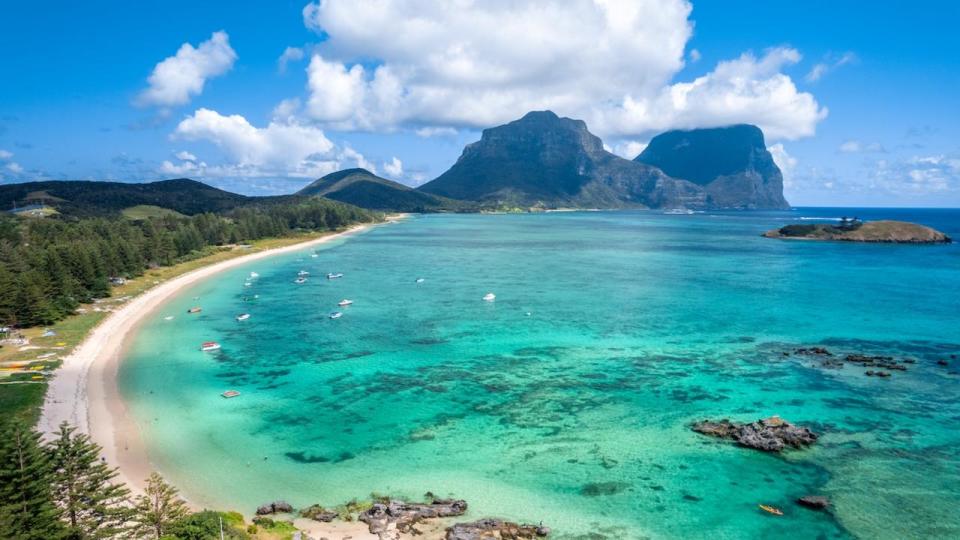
(94, 506)
(158, 508)
(27, 511)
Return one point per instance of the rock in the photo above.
(318, 513)
(488, 529)
(405, 514)
(276, 507)
(769, 435)
(884, 231)
(817, 502)
(819, 351)
(943, 362)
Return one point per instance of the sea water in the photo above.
(569, 398)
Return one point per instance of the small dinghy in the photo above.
(345, 302)
(489, 297)
(303, 273)
(332, 275)
(300, 280)
(420, 280)
(254, 275)
(771, 509)
(168, 318)
(195, 310)
(336, 315)
(209, 346)
(230, 394)
(243, 316)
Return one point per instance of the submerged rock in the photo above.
(488, 529)
(817, 502)
(276, 507)
(769, 435)
(405, 514)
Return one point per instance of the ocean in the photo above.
(569, 399)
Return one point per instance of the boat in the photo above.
(345, 302)
(314, 255)
(243, 316)
(420, 280)
(303, 273)
(247, 284)
(230, 394)
(336, 315)
(331, 275)
(489, 297)
(197, 309)
(209, 346)
(300, 280)
(678, 212)
(771, 509)
(254, 275)
(168, 318)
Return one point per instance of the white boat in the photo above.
(209, 346)
(345, 302)
(303, 273)
(168, 318)
(420, 280)
(489, 297)
(331, 275)
(243, 316)
(230, 393)
(314, 255)
(336, 315)
(254, 275)
(300, 280)
(247, 284)
(679, 212)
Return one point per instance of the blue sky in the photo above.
(859, 103)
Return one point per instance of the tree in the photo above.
(27, 511)
(93, 505)
(158, 508)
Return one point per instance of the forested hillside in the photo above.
(50, 266)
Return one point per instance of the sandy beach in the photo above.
(84, 391)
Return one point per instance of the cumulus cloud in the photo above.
(393, 168)
(918, 175)
(185, 156)
(279, 149)
(854, 146)
(475, 64)
(176, 79)
(830, 63)
(12, 167)
(290, 54)
(629, 149)
(785, 162)
(694, 55)
(5, 154)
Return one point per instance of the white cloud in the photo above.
(629, 149)
(694, 55)
(279, 149)
(854, 146)
(830, 63)
(918, 175)
(176, 79)
(290, 54)
(851, 147)
(185, 156)
(394, 168)
(5, 154)
(477, 64)
(427, 132)
(14, 167)
(784, 161)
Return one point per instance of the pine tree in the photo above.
(27, 511)
(158, 507)
(93, 505)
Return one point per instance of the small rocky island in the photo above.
(855, 230)
(772, 434)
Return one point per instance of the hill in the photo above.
(883, 231)
(731, 163)
(362, 188)
(544, 160)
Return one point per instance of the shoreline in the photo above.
(84, 391)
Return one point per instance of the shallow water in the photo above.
(569, 398)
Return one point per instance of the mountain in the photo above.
(88, 198)
(542, 159)
(362, 188)
(731, 163)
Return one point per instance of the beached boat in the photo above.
(243, 316)
(209, 346)
(345, 302)
(230, 394)
(300, 280)
(332, 275)
(771, 509)
(489, 297)
(195, 310)
(336, 315)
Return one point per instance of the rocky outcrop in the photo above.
(319, 513)
(405, 514)
(884, 231)
(731, 163)
(276, 507)
(489, 529)
(816, 502)
(769, 435)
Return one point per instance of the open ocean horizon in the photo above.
(569, 399)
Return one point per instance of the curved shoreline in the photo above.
(84, 390)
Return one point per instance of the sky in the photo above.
(858, 102)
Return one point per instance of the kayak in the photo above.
(771, 510)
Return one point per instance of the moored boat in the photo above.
(489, 297)
(230, 393)
(345, 302)
(243, 316)
(197, 309)
(303, 273)
(300, 280)
(771, 509)
(332, 275)
(336, 315)
(209, 346)
(420, 280)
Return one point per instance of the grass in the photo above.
(144, 211)
(21, 396)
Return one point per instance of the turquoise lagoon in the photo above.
(569, 398)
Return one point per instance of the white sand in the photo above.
(83, 392)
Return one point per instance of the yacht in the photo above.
(243, 316)
(209, 346)
(303, 273)
(300, 280)
(489, 297)
(230, 393)
(345, 302)
(331, 275)
(336, 315)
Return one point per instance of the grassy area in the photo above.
(23, 370)
(145, 211)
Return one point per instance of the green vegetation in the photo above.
(159, 509)
(362, 188)
(147, 211)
